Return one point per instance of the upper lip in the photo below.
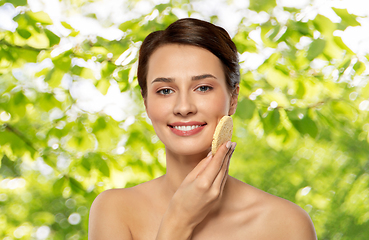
(192, 123)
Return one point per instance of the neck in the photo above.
(178, 167)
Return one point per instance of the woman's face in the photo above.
(186, 97)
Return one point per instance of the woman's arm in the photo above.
(104, 222)
(196, 196)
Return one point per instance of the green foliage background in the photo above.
(301, 124)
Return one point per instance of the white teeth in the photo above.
(186, 128)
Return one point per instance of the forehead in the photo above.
(175, 60)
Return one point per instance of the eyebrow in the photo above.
(162, 79)
(203, 76)
(194, 78)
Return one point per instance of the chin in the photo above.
(189, 150)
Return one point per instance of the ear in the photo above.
(145, 103)
(234, 100)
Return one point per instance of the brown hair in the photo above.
(189, 31)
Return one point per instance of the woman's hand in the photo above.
(197, 194)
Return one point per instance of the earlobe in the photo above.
(234, 100)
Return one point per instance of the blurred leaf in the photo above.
(63, 62)
(76, 70)
(262, 5)
(94, 160)
(100, 124)
(76, 186)
(18, 109)
(47, 101)
(344, 65)
(87, 73)
(300, 89)
(26, 54)
(332, 50)
(8, 168)
(24, 33)
(82, 142)
(359, 67)
(270, 120)
(341, 44)
(347, 18)
(107, 69)
(291, 9)
(41, 17)
(162, 7)
(315, 48)
(274, 32)
(86, 163)
(245, 109)
(277, 79)
(103, 86)
(302, 27)
(17, 3)
(244, 43)
(53, 38)
(304, 124)
(54, 77)
(268, 30)
(297, 113)
(283, 69)
(43, 218)
(344, 110)
(66, 25)
(59, 185)
(324, 25)
(103, 167)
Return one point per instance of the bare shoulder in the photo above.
(277, 218)
(290, 217)
(106, 220)
(112, 211)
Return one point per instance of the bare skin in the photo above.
(196, 198)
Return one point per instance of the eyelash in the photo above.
(207, 87)
(162, 91)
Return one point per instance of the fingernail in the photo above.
(209, 154)
(234, 145)
(228, 145)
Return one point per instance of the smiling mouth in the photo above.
(186, 128)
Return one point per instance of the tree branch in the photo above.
(21, 136)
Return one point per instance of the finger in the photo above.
(226, 173)
(213, 168)
(220, 178)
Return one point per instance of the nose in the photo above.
(185, 105)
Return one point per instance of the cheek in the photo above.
(218, 104)
(156, 109)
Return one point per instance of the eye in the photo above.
(204, 88)
(165, 91)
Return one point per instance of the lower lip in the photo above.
(187, 133)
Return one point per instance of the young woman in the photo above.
(189, 76)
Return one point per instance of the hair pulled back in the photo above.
(195, 32)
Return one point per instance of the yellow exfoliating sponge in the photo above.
(222, 134)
